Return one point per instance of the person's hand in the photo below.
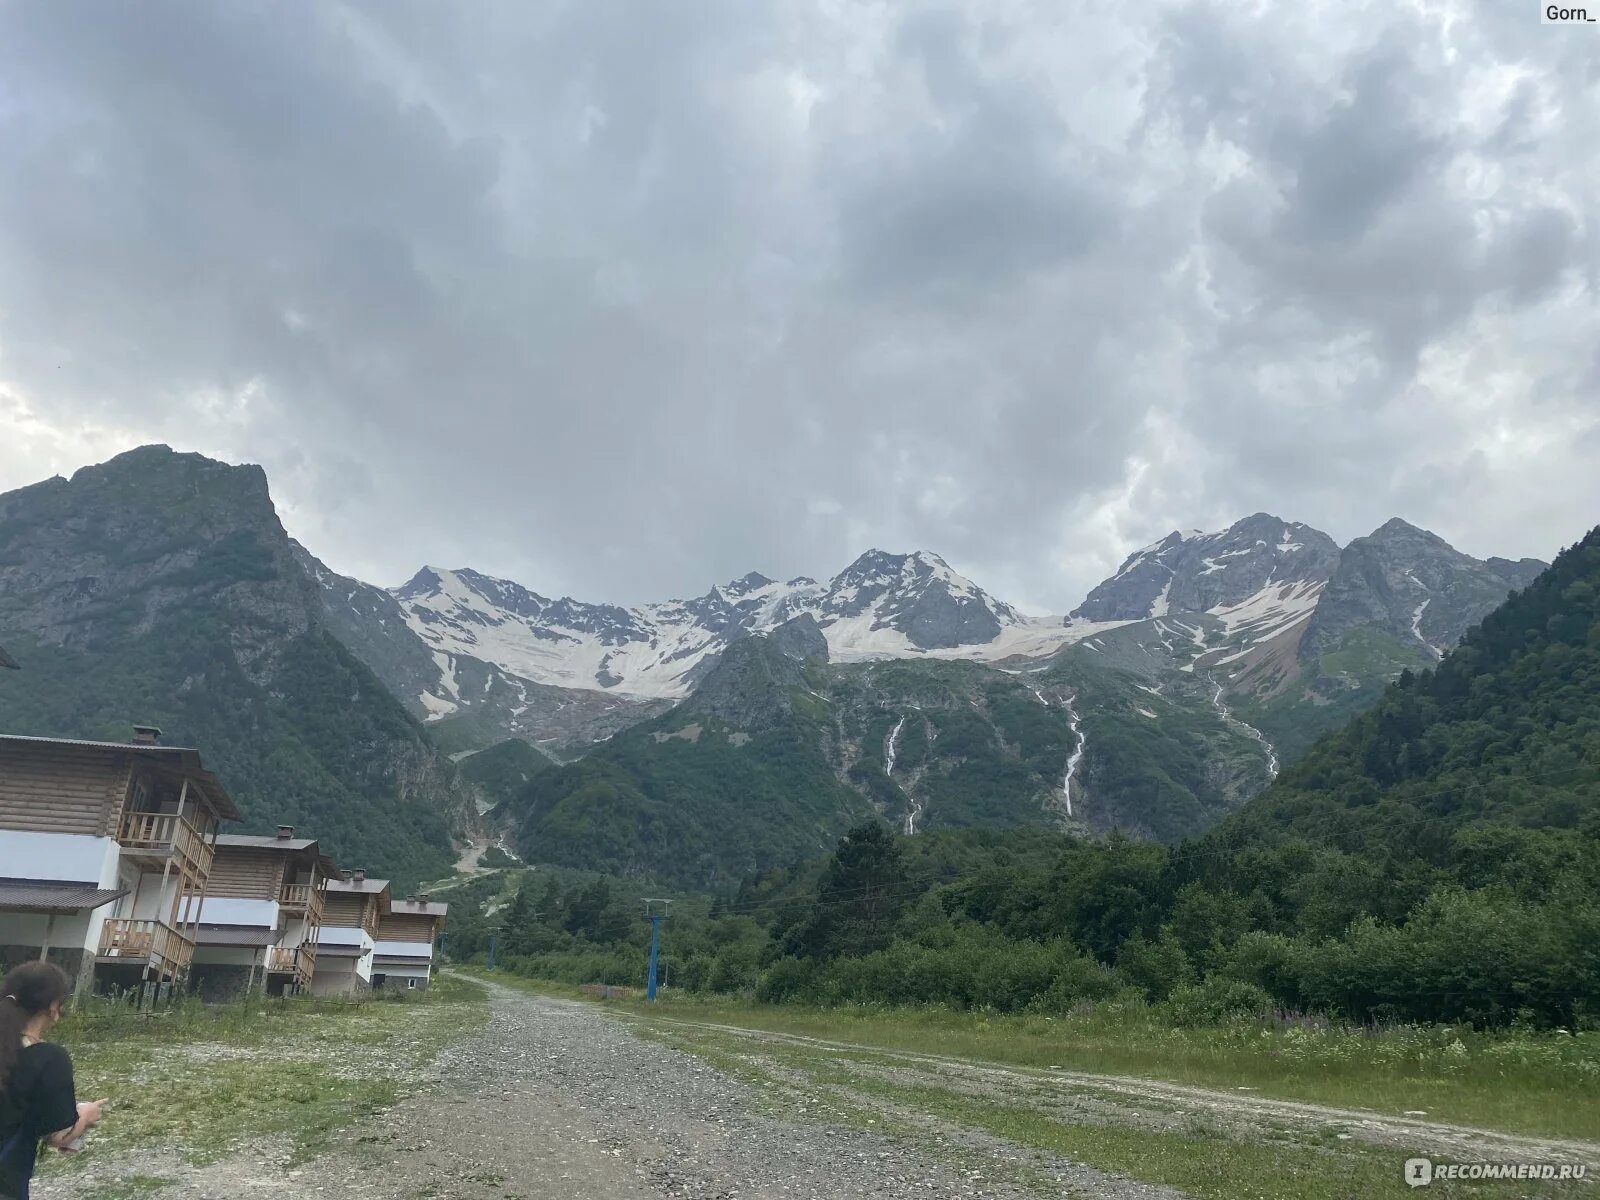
(90, 1112)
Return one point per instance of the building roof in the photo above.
(187, 760)
(54, 895)
(7, 661)
(265, 841)
(235, 935)
(268, 841)
(418, 908)
(368, 886)
(138, 747)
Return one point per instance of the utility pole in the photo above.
(655, 915)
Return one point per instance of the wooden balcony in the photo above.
(155, 836)
(299, 961)
(145, 943)
(298, 898)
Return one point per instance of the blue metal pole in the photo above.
(655, 955)
(491, 951)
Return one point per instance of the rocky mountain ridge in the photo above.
(1191, 571)
(1171, 695)
(881, 605)
(161, 588)
(485, 658)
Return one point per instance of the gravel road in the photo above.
(1132, 1101)
(556, 1099)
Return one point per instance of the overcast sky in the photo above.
(621, 300)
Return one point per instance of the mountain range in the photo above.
(1297, 630)
(707, 736)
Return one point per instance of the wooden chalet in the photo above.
(105, 854)
(353, 909)
(403, 956)
(263, 914)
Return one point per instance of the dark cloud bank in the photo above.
(625, 299)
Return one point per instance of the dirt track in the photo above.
(559, 1099)
(556, 1099)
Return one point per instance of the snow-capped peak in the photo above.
(881, 605)
(1191, 571)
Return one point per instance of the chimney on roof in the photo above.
(146, 735)
(347, 876)
(358, 876)
(422, 897)
(285, 832)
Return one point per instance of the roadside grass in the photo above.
(1518, 1082)
(1199, 1161)
(201, 1081)
(1199, 1156)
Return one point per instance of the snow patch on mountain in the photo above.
(1269, 612)
(881, 606)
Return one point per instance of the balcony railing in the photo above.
(299, 961)
(145, 941)
(164, 833)
(282, 958)
(302, 897)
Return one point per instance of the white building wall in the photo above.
(70, 858)
(219, 910)
(409, 949)
(147, 900)
(69, 932)
(330, 935)
(338, 936)
(294, 934)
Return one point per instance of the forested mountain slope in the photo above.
(161, 588)
(1437, 860)
(778, 752)
(1505, 729)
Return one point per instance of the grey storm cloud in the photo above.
(625, 299)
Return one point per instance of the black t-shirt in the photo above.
(38, 1100)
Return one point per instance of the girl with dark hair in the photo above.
(36, 1093)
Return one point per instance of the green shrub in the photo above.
(1217, 999)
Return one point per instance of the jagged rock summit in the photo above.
(1414, 586)
(1190, 571)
